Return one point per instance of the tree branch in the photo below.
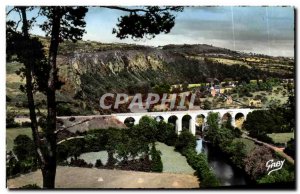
(10, 11)
(70, 138)
(38, 14)
(125, 9)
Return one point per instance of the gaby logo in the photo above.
(274, 165)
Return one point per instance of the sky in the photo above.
(265, 30)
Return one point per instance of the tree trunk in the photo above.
(49, 171)
(29, 92)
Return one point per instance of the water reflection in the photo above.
(223, 169)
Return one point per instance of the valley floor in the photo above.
(74, 177)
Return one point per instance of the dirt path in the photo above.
(74, 177)
(276, 149)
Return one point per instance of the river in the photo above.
(226, 172)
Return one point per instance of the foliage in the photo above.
(207, 105)
(140, 87)
(226, 139)
(162, 88)
(96, 140)
(200, 164)
(10, 120)
(156, 163)
(291, 148)
(149, 22)
(261, 122)
(80, 163)
(255, 162)
(13, 167)
(98, 163)
(24, 148)
(280, 176)
(166, 133)
(237, 152)
(25, 160)
(65, 110)
(212, 127)
(185, 141)
(147, 128)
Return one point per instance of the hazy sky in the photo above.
(267, 30)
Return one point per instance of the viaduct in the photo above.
(191, 116)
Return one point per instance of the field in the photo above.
(173, 162)
(281, 137)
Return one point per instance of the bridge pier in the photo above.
(233, 121)
(178, 125)
(192, 126)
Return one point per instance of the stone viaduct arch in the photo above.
(176, 117)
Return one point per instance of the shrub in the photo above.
(12, 167)
(262, 137)
(277, 177)
(26, 124)
(24, 147)
(30, 186)
(249, 95)
(10, 120)
(62, 153)
(64, 110)
(156, 163)
(98, 163)
(80, 163)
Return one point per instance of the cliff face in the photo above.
(92, 69)
(114, 70)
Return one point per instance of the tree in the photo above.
(24, 147)
(281, 176)
(156, 163)
(147, 129)
(34, 62)
(237, 150)
(212, 127)
(64, 23)
(185, 141)
(67, 23)
(166, 133)
(291, 148)
(206, 105)
(255, 162)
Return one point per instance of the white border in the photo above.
(108, 2)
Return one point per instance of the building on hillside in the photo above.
(255, 103)
(229, 100)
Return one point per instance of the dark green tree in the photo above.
(212, 127)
